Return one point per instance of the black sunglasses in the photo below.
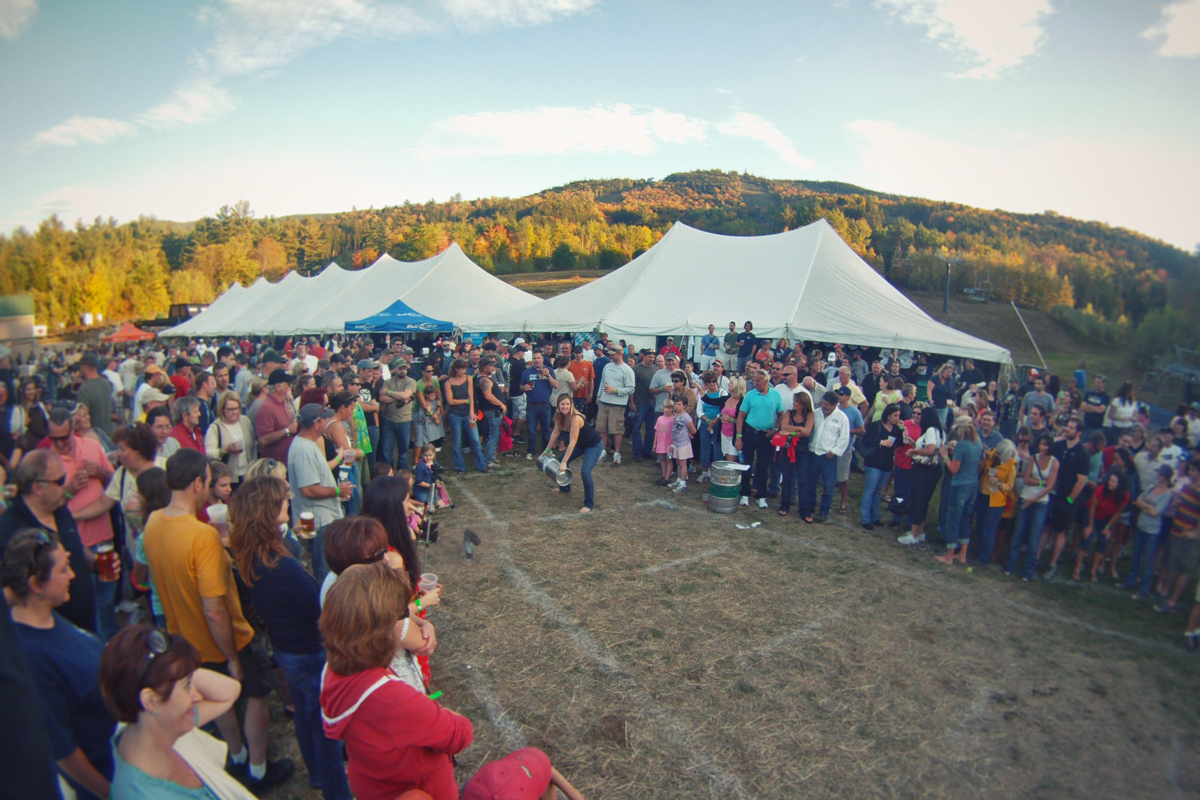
(159, 643)
(61, 481)
(60, 438)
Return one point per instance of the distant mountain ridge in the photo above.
(1111, 275)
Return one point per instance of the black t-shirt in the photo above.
(1095, 398)
(971, 377)
(870, 387)
(1072, 462)
(882, 457)
(369, 393)
(516, 366)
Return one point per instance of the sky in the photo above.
(174, 108)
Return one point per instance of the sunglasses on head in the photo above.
(158, 643)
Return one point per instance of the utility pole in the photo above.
(950, 258)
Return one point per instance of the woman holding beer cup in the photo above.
(63, 660)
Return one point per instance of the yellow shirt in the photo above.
(187, 563)
(1006, 476)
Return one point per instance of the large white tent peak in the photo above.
(447, 286)
(806, 284)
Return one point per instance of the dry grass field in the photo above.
(654, 649)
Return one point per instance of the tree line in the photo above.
(135, 270)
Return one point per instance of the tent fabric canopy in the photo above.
(805, 284)
(448, 286)
(128, 332)
(398, 318)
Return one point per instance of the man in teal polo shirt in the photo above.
(756, 421)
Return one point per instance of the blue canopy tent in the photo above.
(398, 318)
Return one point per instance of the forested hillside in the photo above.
(1112, 282)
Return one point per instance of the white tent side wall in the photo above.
(228, 299)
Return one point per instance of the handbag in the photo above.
(934, 460)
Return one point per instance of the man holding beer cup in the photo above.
(313, 488)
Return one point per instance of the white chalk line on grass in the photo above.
(677, 734)
(683, 562)
(808, 630)
(930, 580)
(510, 730)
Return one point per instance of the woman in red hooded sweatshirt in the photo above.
(397, 739)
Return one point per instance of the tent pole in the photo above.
(1030, 335)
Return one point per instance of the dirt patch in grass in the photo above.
(796, 660)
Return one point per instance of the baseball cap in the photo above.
(311, 412)
(279, 376)
(270, 356)
(400, 363)
(522, 774)
(367, 363)
(843, 391)
(153, 395)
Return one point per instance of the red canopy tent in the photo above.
(128, 332)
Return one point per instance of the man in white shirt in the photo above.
(302, 355)
(829, 441)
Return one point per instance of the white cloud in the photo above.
(1086, 179)
(256, 35)
(752, 126)
(555, 131)
(196, 102)
(476, 14)
(15, 17)
(1179, 28)
(997, 34)
(80, 130)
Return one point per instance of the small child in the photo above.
(662, 440)
(423, 474)
(682, 431)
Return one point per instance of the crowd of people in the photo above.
(197, 525)
(246, 526)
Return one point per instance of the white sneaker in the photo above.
(907, 538)
(616, 458)
(703, 477)
(745, 501)
(679, 486)
(920, 539)
(603, 453)
(529, 456)
(762, 502)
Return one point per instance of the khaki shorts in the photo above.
(610, 418)
(843, 465)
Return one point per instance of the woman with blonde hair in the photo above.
(286, 598)
(729, 412)
(397, 739)
(230, 439)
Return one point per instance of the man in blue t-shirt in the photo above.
(537, 380)
(757, 416)
(746, 342)
(708, 349)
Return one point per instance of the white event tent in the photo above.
(805, 284)
(448, 286)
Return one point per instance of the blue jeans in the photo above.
(987, 533)
(106, 607)
(1026, 536)
(461, 426)
(493, 421)
(796, 478)
(591, 457)
(373, 436)
(353, 505)
(643, 444)
(393, 436)
(874, 479)
(824, 469)
(316, 548)
(537, 415)
(959, 512)
(710, 444)
(1141, 563)
(322, 756)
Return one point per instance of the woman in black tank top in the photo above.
(582, 440)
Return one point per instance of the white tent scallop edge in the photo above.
(806, 284)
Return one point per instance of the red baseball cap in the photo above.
(519, 775)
